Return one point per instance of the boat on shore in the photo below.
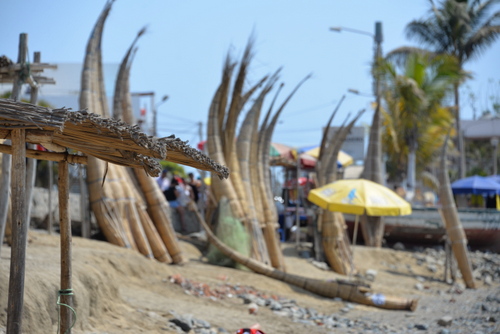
(425, 226)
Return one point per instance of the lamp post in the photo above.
(373, 163)
(155, 114)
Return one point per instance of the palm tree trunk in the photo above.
(410, 175)
(460, 142)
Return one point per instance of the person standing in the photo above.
(163, 180)
(194, 187)
(173, 193)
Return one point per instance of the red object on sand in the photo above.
(249, 331)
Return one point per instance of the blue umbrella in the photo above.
(477, 185)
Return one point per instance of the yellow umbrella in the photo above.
(359, 197)
(343, 159)
(207, 180)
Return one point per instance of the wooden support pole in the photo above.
(84, 204)
(50, 224)
(6, 159)
(65, 226)
(18, 201)
(31, 163)
(19, 233)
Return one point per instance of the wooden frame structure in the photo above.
(110, 140)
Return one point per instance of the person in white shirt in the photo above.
(163, 180)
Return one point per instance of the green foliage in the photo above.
(173, 168)
(479, 155)
(459, 28)
(414, 118)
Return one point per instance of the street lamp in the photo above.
(155, 116)
(373, 169)
(340, 29)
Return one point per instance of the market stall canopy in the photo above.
(284, 155)
(343, 159)
(495, 178)
(477, 185)
(108, 139)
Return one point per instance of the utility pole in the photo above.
(373, 162)
(155, 115)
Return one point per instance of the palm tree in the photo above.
(460, 28)
(414, 116)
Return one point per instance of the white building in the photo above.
(66, 91)
(355, 142)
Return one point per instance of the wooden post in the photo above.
(19, 233)
(65, 227)
(50, 165)
(6, 158)
(84, 203)
(18, 201)
(31, 163)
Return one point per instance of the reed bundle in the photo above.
(119, 205)
(345, 289)
(452, 223)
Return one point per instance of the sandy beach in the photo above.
(118, 290)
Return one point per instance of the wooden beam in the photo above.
(19, 234)
(42, 137)
(66, 291)
(39, 79)
(33, 67)
(51, 156)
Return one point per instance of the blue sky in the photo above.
(183, 52)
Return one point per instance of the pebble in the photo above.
(445, 321)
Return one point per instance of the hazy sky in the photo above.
(187, 41)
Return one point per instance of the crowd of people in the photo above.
(179, 192)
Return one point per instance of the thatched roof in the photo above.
(107, 139)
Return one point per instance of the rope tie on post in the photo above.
(64, 292)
